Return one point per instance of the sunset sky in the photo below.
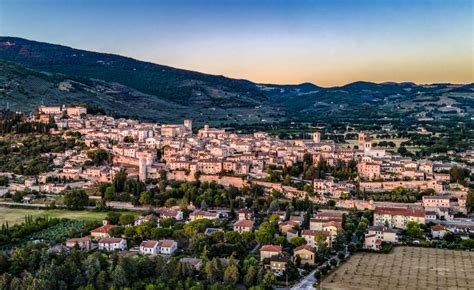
(324, 42)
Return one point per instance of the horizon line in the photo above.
(239, 78)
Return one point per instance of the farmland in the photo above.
(61, 231)
(405, 268)
(17, 215)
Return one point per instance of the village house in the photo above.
(398, 217)
(84, 244)
(242, 226)
(278, 264)
(112, 244)
(368, 170)
(384, 234)
(201, 214)
(267, 251)
(438, 231)
(245, 214)
(147, 218)
(372, 242)
(291, 233)
(102, 232)
(166, 213)
(287, 225)
(306, 253)
(150, 247)
(431, 202)
(313, 238)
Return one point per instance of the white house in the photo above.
(438, 231)
(168, 247)
(154, 247)
(150, 247)
(112, 244)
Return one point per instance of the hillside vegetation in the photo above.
(33, 72)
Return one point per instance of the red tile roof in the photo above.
(394, 211)
(103, 229)
(244, 223)
(305, 247)
(149, 244)
(166, 243)
(271, 248)
(314, 232)
(438, 228)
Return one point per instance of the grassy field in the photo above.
(17, 215)
(405, 268)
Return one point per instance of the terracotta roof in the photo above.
(314, 232)
(203, 213)
(149, 244)
(292, 223)
(79, 240)
(271, 248)
(437, 228)
(394, 211)
(296, 218)
(163, 211)
(244, 223)
(329, 214)
(103, 229)
(166, 243)
(338, 225)
(305, 247)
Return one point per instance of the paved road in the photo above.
(306, 283)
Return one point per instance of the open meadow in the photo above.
(17, 215)
(405, 268)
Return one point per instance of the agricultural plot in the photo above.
(17, 215)
(59, 232)
(405, 268)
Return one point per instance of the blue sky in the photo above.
(324, 42)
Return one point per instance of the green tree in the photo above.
(128, 139)
(250, 276)
(470, 201)
(413, 230)
(268, 279)
(145, 198)
(214, 270)
(231, 274)
(119, 181)
(298, 241)
(119, 277)
(126, 219)
(113, 217)
(458, 174)
(76, 199)
(109, 193)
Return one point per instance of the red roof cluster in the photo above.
(271, 248)
(103, 229)
(415, 212)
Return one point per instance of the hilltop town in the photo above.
(292, 208)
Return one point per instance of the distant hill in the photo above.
(33, 72)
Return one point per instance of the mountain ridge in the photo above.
(159, 92)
